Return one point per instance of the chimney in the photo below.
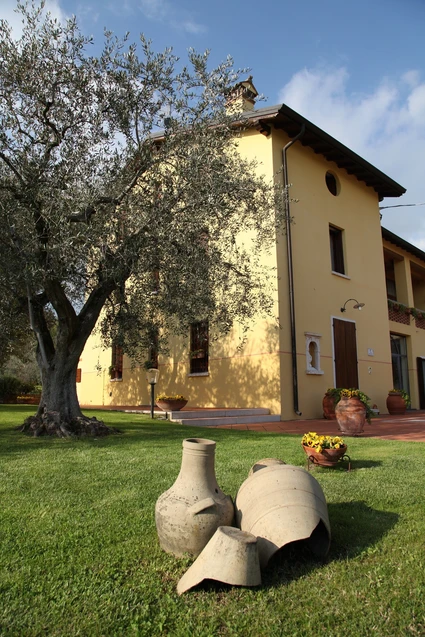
(242, 97)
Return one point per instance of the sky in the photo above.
(355, 68)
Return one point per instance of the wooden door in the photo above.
(345, 352)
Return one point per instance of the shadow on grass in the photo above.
(356, 528)
(365, 464)
(134, 431)
(343, 466)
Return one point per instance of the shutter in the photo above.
(345, 348)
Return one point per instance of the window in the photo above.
(337, 250)
(391, 289)
(399, 361)
(199, 347)
(115, 371)
(332, 183)
(390, 279)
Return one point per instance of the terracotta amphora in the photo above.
(350, 416)
(281, 504)
(190, 512)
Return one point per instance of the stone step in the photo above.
(229, 420)
(217, 413)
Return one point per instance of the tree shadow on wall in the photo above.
(246, 378)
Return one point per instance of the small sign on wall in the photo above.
(370, 351)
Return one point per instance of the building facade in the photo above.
(333, 324)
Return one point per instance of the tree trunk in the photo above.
(59, 411)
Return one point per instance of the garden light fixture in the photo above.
(152, 378)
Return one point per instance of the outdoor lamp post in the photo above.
(152, 378)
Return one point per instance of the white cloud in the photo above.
(165, 12)
(155, 9)
(8, 13)
(193, 27)
(385, 126)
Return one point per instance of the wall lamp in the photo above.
(357, 306)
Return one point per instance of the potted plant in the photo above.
(398, 401)
(171, 402)
(352, 411)
(324, 451)
(330, 399)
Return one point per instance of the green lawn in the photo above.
(79, 553)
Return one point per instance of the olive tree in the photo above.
(122, 195)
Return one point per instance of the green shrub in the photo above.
(10, 387)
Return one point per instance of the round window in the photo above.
(332, 183)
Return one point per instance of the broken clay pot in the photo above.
(231, 557)
(190, 512)
(282, 504)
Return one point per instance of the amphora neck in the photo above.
(198, 460)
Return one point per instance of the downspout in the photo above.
(291, 270)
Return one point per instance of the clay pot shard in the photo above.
(281, 504)
(231, 557)
(189, 513)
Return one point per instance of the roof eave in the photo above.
(402, 243)
(324, 144)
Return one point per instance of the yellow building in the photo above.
(329, 264)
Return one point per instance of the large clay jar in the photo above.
(351, 416)
(190, 512)
(328, 407)
(281, 504)
(395, 404)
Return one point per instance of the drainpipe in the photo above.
(291, 271)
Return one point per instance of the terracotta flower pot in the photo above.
(395, 404)
(351, 416)
(171, 405)
(327, 457)
(328, 407)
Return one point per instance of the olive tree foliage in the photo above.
(108, 221)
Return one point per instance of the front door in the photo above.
(345, 354)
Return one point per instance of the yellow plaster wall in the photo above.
(319, 294)
(247, 376)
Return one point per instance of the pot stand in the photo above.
(312, 461)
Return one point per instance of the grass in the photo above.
(79, 553)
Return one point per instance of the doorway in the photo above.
(400, 362)
(345, 354)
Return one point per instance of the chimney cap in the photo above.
(244, 91)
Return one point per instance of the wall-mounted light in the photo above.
(357, 306)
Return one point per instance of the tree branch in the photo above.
(12, 168)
